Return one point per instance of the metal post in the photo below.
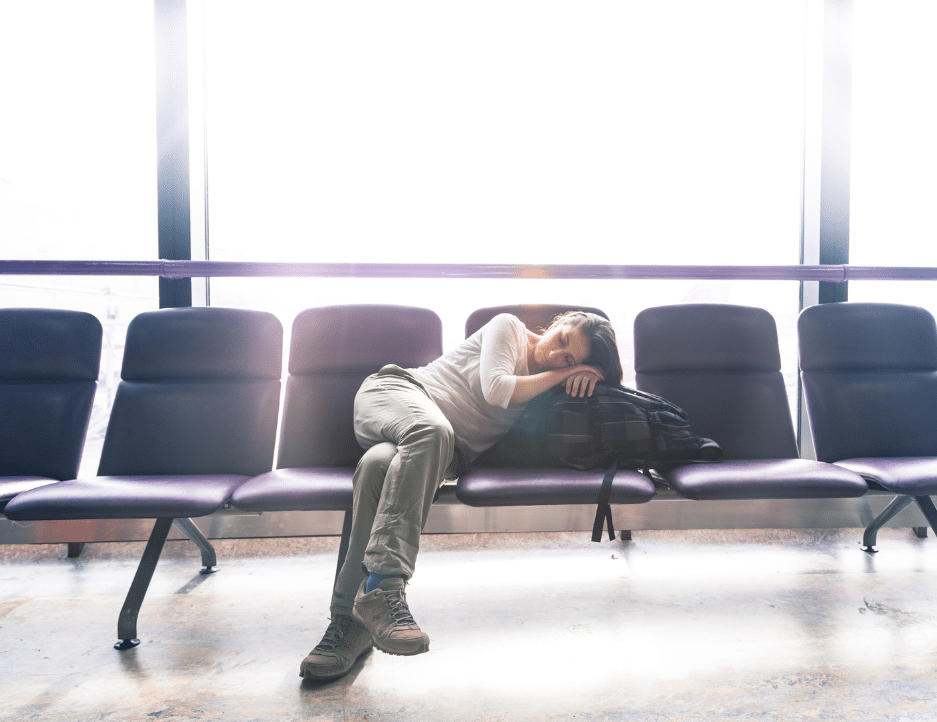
(172, 147)
(836, 143)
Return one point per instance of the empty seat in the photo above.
(333, 349)
(49, 362)
(721, 364)
(194, 417)
(869, 373)
(490, 485)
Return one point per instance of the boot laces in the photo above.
(398, 607)
(334, 634)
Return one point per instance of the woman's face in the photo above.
(561, 346)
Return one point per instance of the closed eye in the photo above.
(564, 342)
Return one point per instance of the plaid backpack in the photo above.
(615, 427)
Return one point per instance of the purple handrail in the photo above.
(217, 269)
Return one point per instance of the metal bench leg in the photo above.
(209, 560)
(868, 538)
(127, 621)
(74, 549)
(930, 511)
(343, 544)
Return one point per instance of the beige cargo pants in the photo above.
(410, 447)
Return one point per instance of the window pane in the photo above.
(505, 132)
(521, 132)
(894, 147)
(78, 162)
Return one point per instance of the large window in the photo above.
(506, 131)
(78, 162)
(509, 131)
(894, 150)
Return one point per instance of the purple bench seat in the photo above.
(194, 417)
(332, 350)
(495, 485)
(129, 497)
(869, 373)
(10, 486)
(721, 363)
(49, 362)
(303, 489)
(505, 486)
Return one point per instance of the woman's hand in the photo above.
(582, 381)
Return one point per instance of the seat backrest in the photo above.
(721, 364)
(333, 349)
(199, 394)
(536, 317)
(49, 362)
(869, 374)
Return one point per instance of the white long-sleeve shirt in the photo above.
(473, 383)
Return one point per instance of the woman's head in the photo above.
(600, 336)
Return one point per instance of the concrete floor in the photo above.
(718, 625)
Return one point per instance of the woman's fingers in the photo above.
(592, 381)
(582, 384)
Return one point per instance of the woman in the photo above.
(421, 426)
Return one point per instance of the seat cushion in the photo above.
(747, 414)
(43, 427)
(206, 343)
(705, 337)
(49, 345)
(911, 475)
(359, 339)
(722, 365)
(126, 497)
(332, 350)
(867, 337)
(765, 479)
(312, 489)
(203, 428)
(537, 487)
(10, 486)
(318, 428)
(866, 414)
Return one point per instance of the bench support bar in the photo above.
(127, 622)
(871, 531)
(209, 560)
(929, 510)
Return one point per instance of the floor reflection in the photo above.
(779, 624)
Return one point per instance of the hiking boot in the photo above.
(344, 642)
(385, 614)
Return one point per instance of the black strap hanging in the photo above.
(603, 514)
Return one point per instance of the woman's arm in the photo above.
(580, 381)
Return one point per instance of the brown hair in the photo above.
(603, 346)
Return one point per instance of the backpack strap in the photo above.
(604, 511)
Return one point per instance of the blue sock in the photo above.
(374, 580)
